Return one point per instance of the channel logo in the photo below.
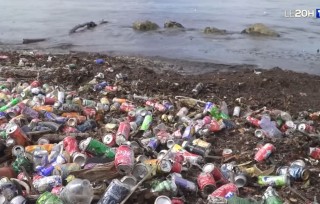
(317, 13)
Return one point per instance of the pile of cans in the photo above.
(157, 152)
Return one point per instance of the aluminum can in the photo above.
(96, 148)
(48, 198)
(253, 121)
(89, 103)
(109, 139)
(314, 152)
(264, 152)
(130, 180)
(165, 166)
(127, 107)
(175, 200)
(115, 192)
(236, 111)
(194, 149)
(153, 144)
(47, 183)
(183, 183)
(167, 185)
(124, 159)
(240, 180)
(281, 180)
(162, 200)
(123, 133)
(306, 128)
(201, 143)
(214, 126)
(16, 133)
(207, 107)
(176, 167)
(182, 112)
(197, 89)
(298, 172)
(270, 196)
(225, 191)
(206, 184)
(64, 170)
(282, 170)
(146, 123)
(141, 170)
(216, 173)
(168, 105)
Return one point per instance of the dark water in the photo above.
(296, 49)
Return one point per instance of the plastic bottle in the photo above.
(77, 191)
(269, 128)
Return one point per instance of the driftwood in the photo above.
(88, 25)
(34, 40)
(98, 173)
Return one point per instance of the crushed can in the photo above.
(206, 184)
(270, 196)
(124, 159)
(96, 148)
(216, 173)
(123, 132)
(264, 152)
(183, 183)
(166, 185)
(115, 192)
(226, 191)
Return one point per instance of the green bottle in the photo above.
(270, 196)
(48, 198)
(146, 122)
(97, 148)
(214, 112)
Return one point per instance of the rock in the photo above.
(173, 24)
(213, 30)
(260, 29)
(145, 25)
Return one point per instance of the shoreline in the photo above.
(285, 89)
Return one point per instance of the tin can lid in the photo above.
(17, 150)
(79, 158)
(290, 124)
(12, 128)
(259, 133)
(108, 138)
(302, 127)
(165, 166)
(227, 152)
(305, 174)
(208, 168)
(162, 200)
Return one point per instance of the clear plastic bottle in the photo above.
(269, 127)
(77, 191)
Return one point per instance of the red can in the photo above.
(70, 144)
(225, 191)
(178, 157)
(216, 173)
(214, 126)
(253, 121)
(206, 184)
(111, 88)
(131, 116)
(206, 120)
(89, 112)
(176, 167)
(16, 133)
(109, 139)
(123, 132)
(48, 101)
(314, 152)
(306, 128)
(160, 107)
(264, 152)
(127, 107)
(124, 159)
(35, 84)
(177, 201)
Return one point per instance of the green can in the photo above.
(21, 161)
(89, 103)
(96, 148)
(3, 135)
(238, 200)
(166, 185)
(48, 198)
(281, 180)
(270, 196)
(146, 123)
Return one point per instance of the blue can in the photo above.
(2, 115)
(153, 143)
(99, 61)
(188, 133)
(100, 86)
(139, 119)
(298, 172)
(207, 107)
(115, 192)
(168, 105)
(183, 183)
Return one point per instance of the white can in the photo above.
(236, 111)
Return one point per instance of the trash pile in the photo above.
(61, 147)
